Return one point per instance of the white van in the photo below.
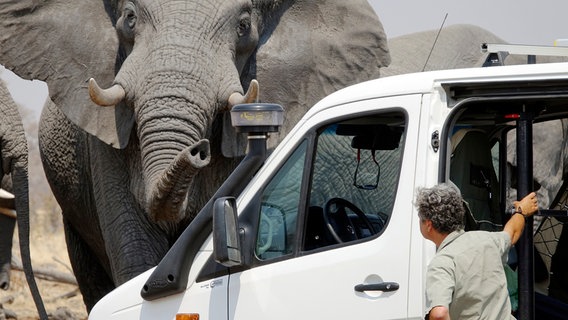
(326, 225)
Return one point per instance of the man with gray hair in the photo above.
(466, 278)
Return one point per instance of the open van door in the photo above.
(507, 114)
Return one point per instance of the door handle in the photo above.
(383, 286)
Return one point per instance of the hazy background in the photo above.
(516, 21)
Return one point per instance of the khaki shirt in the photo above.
(466, 275)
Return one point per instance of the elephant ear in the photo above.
(310, 49)
(64, 43)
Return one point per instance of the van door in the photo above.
(334, 223)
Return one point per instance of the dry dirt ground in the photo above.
(49, 253)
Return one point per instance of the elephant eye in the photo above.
(131, 19)
(243, 28)
(126, 23)
(247, 36)
(130, 15)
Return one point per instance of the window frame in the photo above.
(250, 216)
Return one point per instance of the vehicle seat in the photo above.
(471, 170)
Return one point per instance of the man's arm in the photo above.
(439, 313)
(525, 208)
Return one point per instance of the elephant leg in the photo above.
(7, 225)
(94, 282)
(64, 156)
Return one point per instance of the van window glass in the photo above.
(354, 180)
(495, 156)
(279, 208)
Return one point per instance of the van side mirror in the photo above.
(226, 242)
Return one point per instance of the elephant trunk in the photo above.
(167, 194)
(21, 191)
(173, 150)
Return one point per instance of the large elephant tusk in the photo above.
(106, 97)
(250, 97)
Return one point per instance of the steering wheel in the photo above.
(339, 224)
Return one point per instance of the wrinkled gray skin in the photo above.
(550, 159)
(14, 162)
(178, 63)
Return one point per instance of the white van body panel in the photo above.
(321, 285)
(204, 298)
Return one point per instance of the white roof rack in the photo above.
(498, 52)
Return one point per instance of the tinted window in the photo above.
(279, 208)
(354, 181)
(353, 172)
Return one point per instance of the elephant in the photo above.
(14, 176)
(132, 164)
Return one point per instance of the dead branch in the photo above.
(47, 274)
(67, 295)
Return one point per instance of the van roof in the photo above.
(425, 82)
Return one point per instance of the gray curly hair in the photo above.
(443, 205)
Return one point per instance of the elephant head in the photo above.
(14, 162)
(173, 68)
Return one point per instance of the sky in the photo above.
(539, 22)
(515, 21)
